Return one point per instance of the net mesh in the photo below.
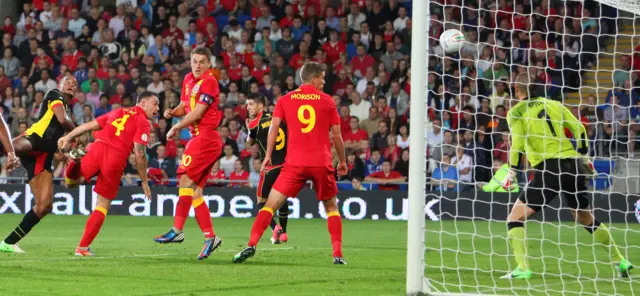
(585, 55)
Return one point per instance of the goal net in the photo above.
(584, 54)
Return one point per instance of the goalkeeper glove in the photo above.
(510, 181)
(587, 168)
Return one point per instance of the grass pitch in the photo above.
(472, 255)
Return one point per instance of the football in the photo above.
(451, 40)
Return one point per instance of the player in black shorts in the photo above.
(258, 124)
(36, 148)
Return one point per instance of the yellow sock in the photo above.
(603, 236)
(516, 240)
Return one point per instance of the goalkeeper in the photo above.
(537, 129)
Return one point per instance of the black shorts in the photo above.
(553, 177)
(267, 179)
(41, 157)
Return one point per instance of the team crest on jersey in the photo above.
(195, 89)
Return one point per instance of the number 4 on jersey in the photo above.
(119, 124)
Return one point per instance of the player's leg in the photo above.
(203, 217)
(581, 212)
(42, 188)
(267, 179)
(74, 173)
(289, 183)
(283, 218)
(326, 190)
(22, 146)
(93, 226)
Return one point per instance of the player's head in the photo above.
(523, 87)
(68, 85)
(149, 102)
(200, 61)
(313, 73)
(255, 104)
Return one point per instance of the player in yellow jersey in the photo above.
(36, 148)
(537, 130)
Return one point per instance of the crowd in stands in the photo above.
(118, 51)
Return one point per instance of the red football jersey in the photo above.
(123, 127)
(309, 115)
(203, 90)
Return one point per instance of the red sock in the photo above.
(183, 207)
(73, 171)
(265, 215)
(334, 224)
(91, 230)
(203, 216)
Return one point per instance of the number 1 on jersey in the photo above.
(309, 121)
(119, 123)
(543, 114)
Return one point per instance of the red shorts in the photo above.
(106, 163)
(292, 178)
(200, 154)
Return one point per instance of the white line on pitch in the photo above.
(528, 287)
(129, 256)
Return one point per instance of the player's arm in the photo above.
(517, 141)
(58, 111)
(178, 111)
(338, 143)
(5, 138)
(93, 125)
(577, 129)
(272, 136)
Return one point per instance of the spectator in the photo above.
(356, 167)
(227, 161)
(391, 55)
(159, 50)
(103, 107)
(156, 85)
(161, 161)
(238, 174)
(10, 63)
(379, 138)
(365, 83)
(499, 95)
(397, 98)
(386, 176)
(634, 128)
(501, 151)
(76, 23)
(464, 165)
(130, 175)
(254, 176)
(93, 96)
(216, 175)
(21, 117)
(402, 166)
(355, 17)
(374, 162)
(360, 108)
(623, 73)
(361, 62)
(45, 83)
(356, 184)
(87, 115)
(224, 136)
(615, 120)
(434, 135)
(445, 177)
(354, 135)
(403, 136)
(445, 148)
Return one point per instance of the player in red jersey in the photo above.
(198, 105)
(309, 114)
(117, 132)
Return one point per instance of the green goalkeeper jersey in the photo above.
(537, 130)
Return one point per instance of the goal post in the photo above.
(417, 169)
(457, 241)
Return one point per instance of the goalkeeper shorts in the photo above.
(553, 177)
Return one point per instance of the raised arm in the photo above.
(194, 116)
(65, 142)
(58, 111)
